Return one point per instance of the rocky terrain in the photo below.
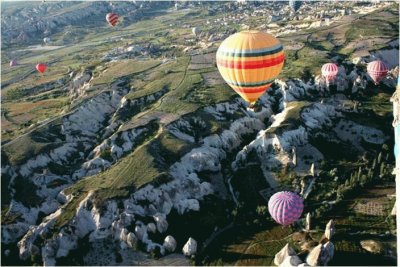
(153, 157)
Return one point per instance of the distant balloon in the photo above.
(295, 5)
(46, 40)
(196, 31)
(329, 71)
(285, 207)
(112, 19)
(41, 67)
(13, 63)
(249, 62)
(377, 70)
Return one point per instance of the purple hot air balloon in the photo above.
(285, 207)
(13, 63)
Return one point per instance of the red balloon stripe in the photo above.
(112, 18)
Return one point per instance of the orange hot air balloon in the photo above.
(249, 62)
(41, 67)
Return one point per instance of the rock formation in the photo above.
(372, 246)
(308, 221)
(330, 229)
(170, 243)
(285, 252)
(312, 169)
(321, 254)
(313, 259)
(190, 248)
(290, 261)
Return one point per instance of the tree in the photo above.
(380, 158)
(382, 170)
(374, 164)
(370, 175)
(359, 174)
(262, 210)
(363, 180)
(352, 179)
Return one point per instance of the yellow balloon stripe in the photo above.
(250, 75)
(251, 59)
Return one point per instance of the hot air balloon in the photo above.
(13, 63)
(295, 5)
(377, 70)
(41, 67)
(329, 71)
(195, 31)
(285, 207)
(249, 61)
(112, 19)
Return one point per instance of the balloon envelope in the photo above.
(249, 61)
(13, 63)
(295, 5)
(377, 70)
(285, 207)
(329, 71)
(41, 67)
(112, 19)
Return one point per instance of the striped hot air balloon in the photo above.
(295, 5)
(112, 19)
(41, 67)
(329, 71)
(285, 207)
(249, 61)
(13, 63)
(377, 70)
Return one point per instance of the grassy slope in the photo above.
(124, 68)
(292, 116)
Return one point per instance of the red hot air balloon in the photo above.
(13, 63)
(377, 70)
(41, 67)
(285, 207)
(329, 71)
(112, 19)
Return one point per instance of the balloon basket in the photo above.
(252, 109)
